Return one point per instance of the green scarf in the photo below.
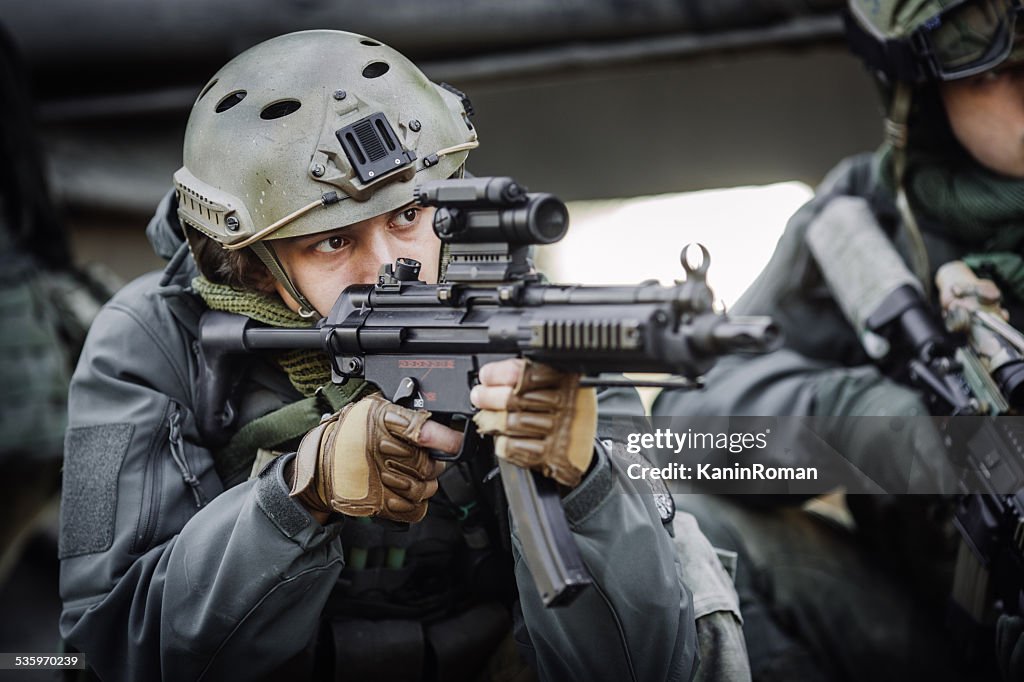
(307, 369)
(976, 207)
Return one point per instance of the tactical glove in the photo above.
(364, 461)
(548, 424)
(961, 292)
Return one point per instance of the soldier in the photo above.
(178, 563)
(819, 602)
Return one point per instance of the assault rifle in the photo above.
(982, 376)
(423, 344)
(971, 366)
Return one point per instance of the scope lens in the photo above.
(549, 220)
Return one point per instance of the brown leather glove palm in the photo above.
(364, 461)
(547, 424)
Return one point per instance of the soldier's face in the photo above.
(322, 265)
(986, 113)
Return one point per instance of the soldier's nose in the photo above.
(377, 253)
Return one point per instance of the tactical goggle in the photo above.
(964, 39)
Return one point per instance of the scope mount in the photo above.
(487, 262)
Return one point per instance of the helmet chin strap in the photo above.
(896, 136)
(269, 258)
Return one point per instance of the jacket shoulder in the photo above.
(145, 333)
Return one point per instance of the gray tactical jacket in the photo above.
(169, 572)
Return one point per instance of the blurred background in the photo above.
(662, 122)
(589, 99)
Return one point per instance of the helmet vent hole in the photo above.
(209, 86)
(375, 69)
(230, 100)
(280, 109)
(371, 43)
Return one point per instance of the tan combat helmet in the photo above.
(907, 43)
(313, 131)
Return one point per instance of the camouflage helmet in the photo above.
(919, 41)
(910, 43)
(312, 131)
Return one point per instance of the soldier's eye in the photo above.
(405, 217)
(331, 244)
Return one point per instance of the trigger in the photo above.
(470, 445)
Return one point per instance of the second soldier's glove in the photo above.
(548, 424)
(961, 293)
(364, 461)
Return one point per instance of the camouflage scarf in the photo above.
(980, 209)
(306, 369)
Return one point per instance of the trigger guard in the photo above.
(470, 439)
(442, 456)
